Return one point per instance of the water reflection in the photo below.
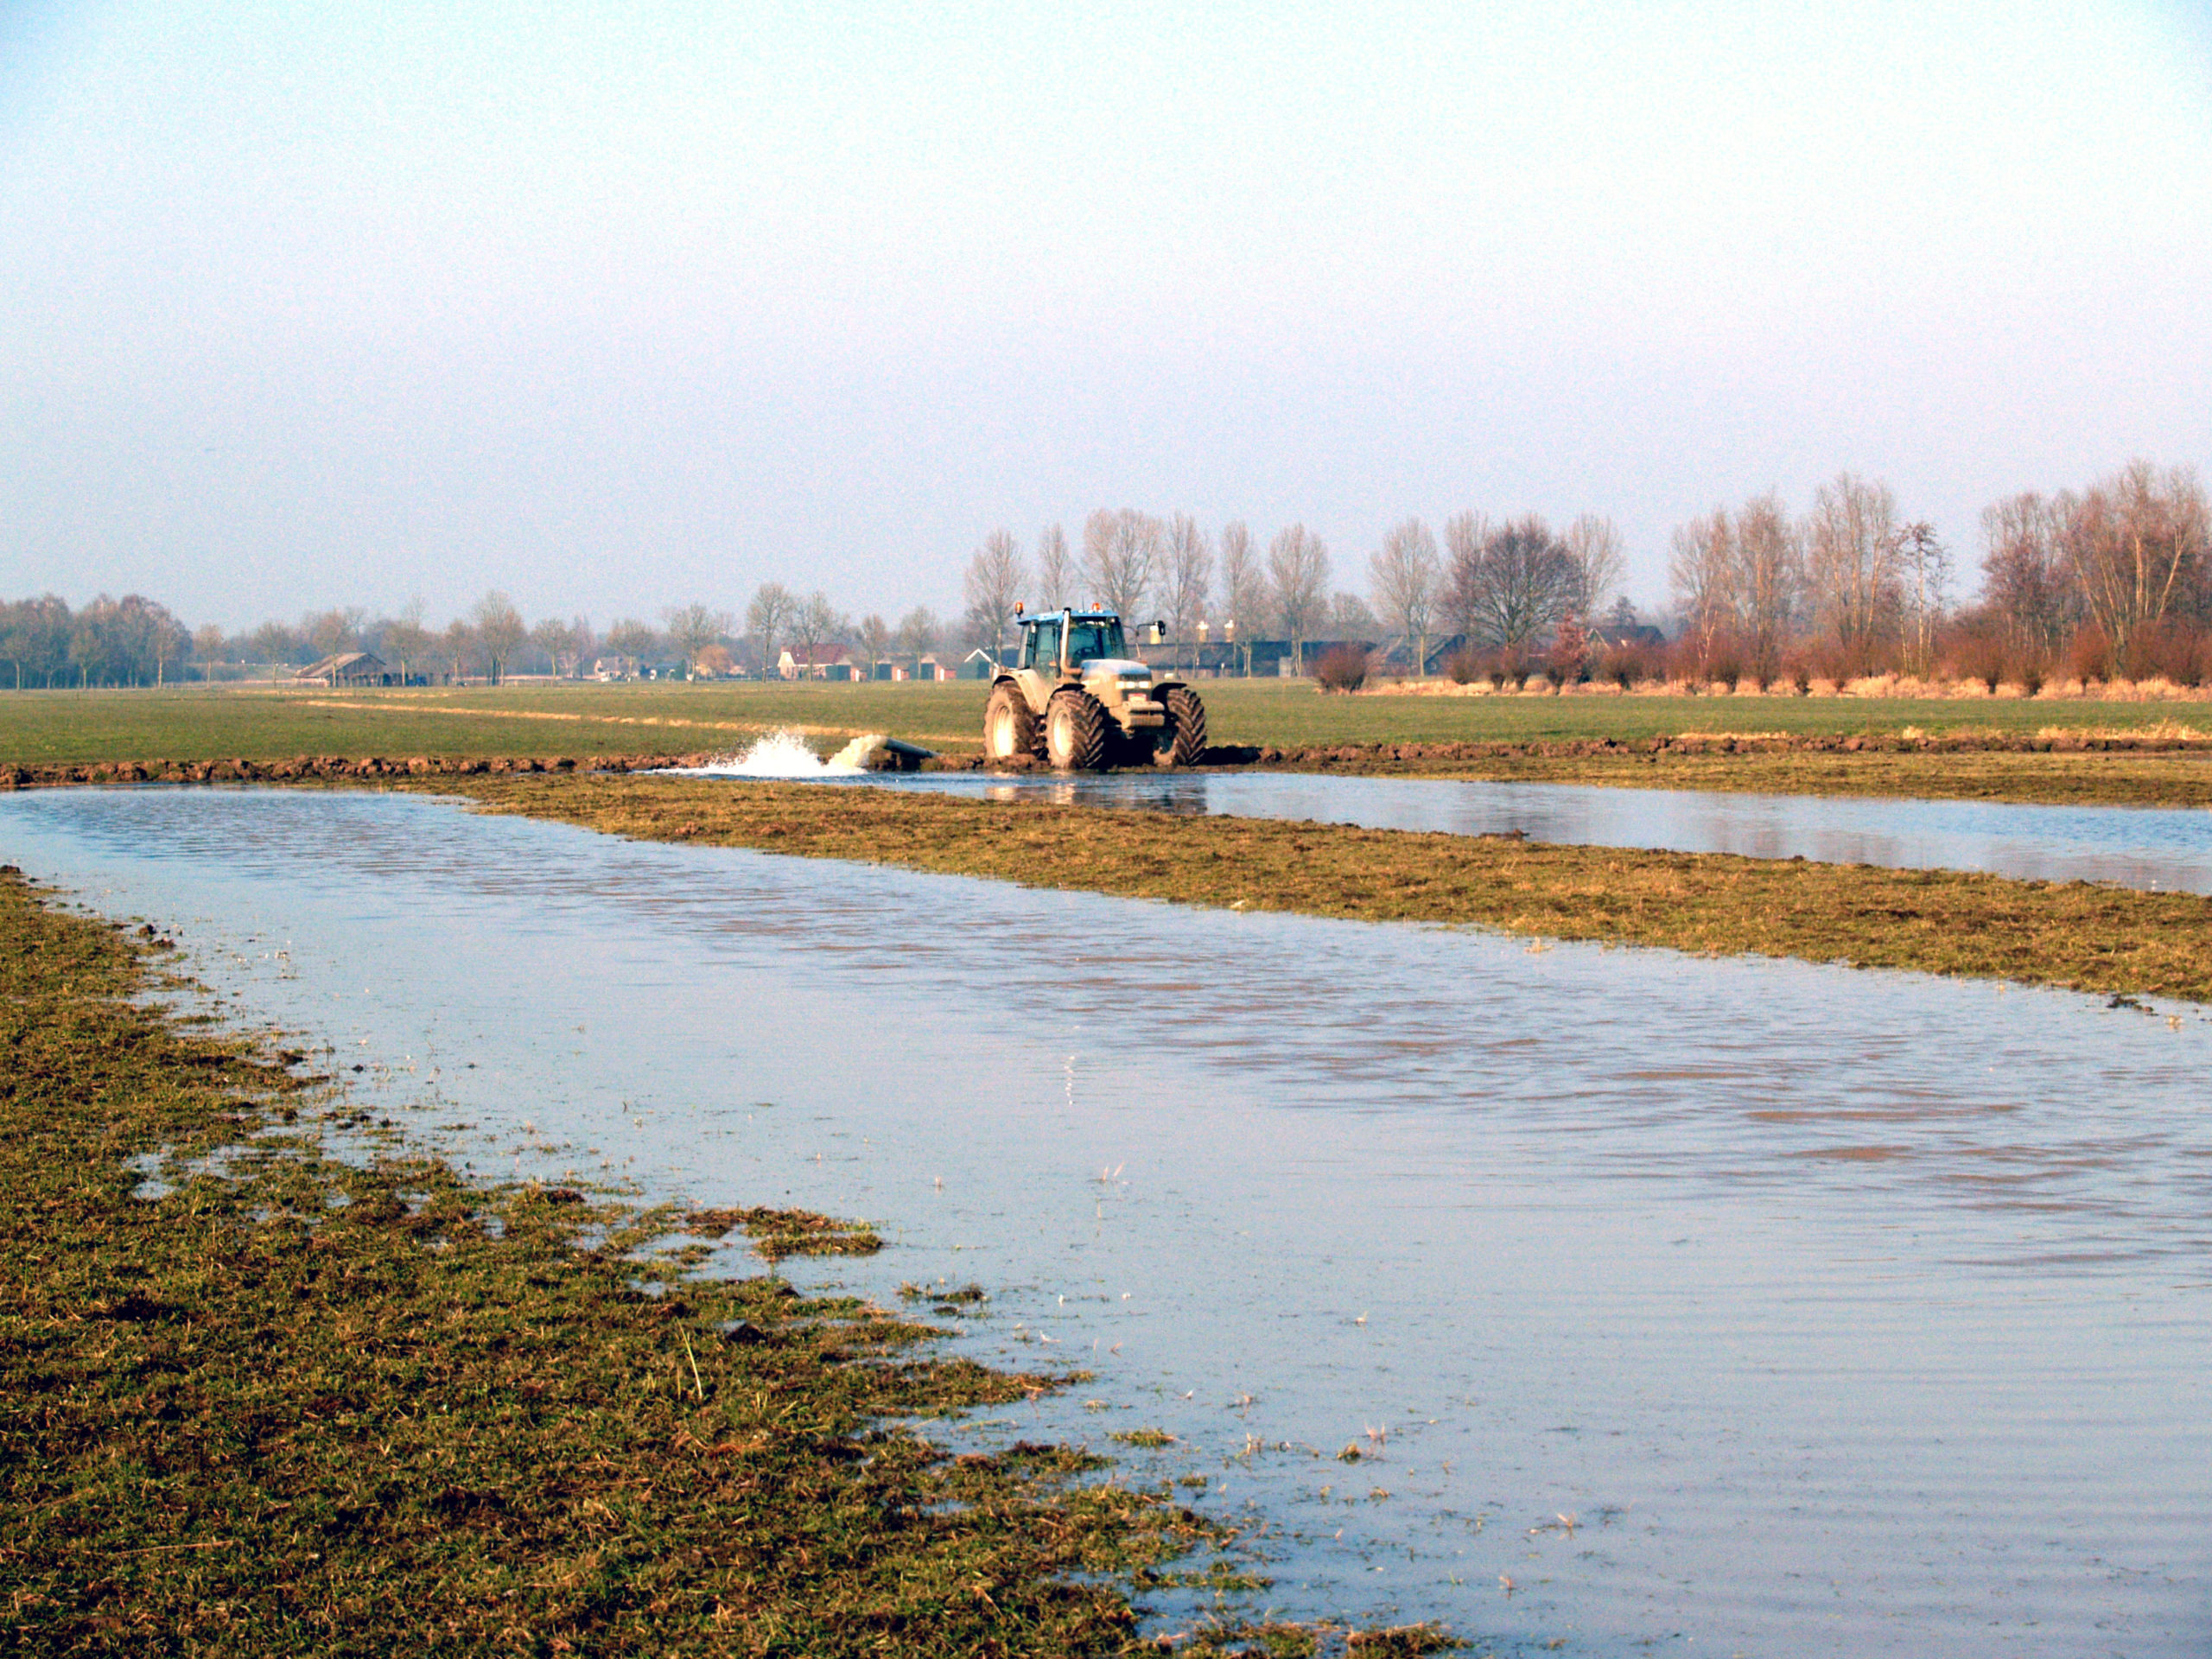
(1839, 1313)
(2155, 849)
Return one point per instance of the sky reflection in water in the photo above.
(1841, 1313)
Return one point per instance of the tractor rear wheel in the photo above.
(1183, 741)
(1075, 729)
(1009, 724)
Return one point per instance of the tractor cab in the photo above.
(1061, 643)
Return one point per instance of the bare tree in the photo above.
(1768, 591)
(406, 640)
(918, 633)
(166, 639)
(1097, 549)
(633, 639)
(1850, 552)
(583, 644)
(768, 618)
(1298, 573)
(1188, 579)
(875, 641)
(2137, 544)
(567, 644)
(1055, 569)
(1244, 587)
(500, 630)
(692, 628)
(1349, 619)
(1523, 583)
(814, 624)
(550, 638)
(275, 643)
(1402, 576)
(206, 647)
(2027, 584)
(1121, 555)
(1923, 586)
(1702, 570)
(329, 632)
(993, 583)
(458, 646)
(1464, 536)
(1600, 557)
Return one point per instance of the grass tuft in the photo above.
(245, 1419)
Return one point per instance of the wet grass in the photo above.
(1293, 714)
(538, 721)
(2093, 778)
(308, 1406)
(2066, 934)
(541, 720)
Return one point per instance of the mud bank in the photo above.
(310, 766)
(1332, 756)
(1323, 757)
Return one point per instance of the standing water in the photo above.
(2151, 848)
(2154, 848)
(1608, 1296)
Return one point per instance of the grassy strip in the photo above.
(41, 728)
(307, 1407)
(2068, 934)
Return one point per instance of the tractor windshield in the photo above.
(1092, 637)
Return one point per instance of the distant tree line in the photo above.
(127, 641)
(135, 641)
(2113, 581)
(1502, 584)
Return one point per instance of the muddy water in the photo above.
(2148, 848)
(1739, 1306)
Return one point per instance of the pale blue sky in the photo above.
(614, 306)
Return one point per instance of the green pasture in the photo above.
(546, 719)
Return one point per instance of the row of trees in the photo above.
(493, 639)
(2099, 579)
(490, 641)
(777, 616)
(127, 641)
(2106, 581)
(2111, 571)
(1502, 584)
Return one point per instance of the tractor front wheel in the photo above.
(1183, 740)
(1009, 724)
(1075, 729)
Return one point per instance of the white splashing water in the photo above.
(779, 754)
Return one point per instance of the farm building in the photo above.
(816, 662)
(348, 668)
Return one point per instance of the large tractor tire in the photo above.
(1010, 725)
(1075, 732)
(1183, 740)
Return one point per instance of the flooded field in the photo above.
(2135, 846)
(1711, 1306)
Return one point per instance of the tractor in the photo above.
(1078, 701)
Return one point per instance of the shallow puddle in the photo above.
(1725, 1306)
